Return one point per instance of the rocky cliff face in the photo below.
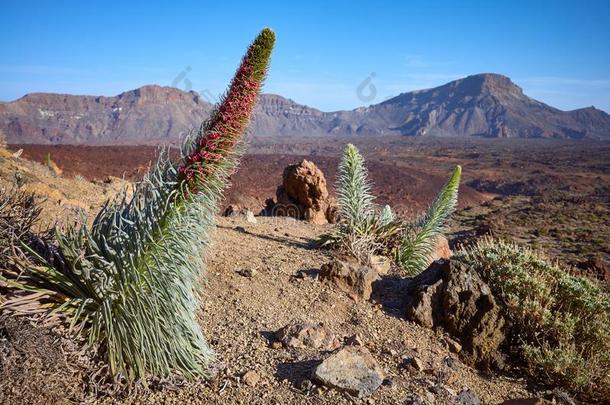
(488, 105)
(146, 115)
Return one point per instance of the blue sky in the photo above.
(558, 51)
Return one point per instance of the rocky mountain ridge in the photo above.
(486, 105)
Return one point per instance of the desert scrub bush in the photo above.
(19, 212)
(562, 322)
(364, 230)
(131, 282)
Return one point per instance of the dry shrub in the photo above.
(562, 322)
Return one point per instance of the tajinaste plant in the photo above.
(419, 239)
(132, 281)
(365, 230)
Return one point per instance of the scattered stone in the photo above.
(231, 211)
(451, 295)
(380, 264)
(414, 400)
(414, 362)
(453, 345)
(301, 335)
(562, 397)
(250, 217)
(249, 273)
(354, 340)
(234, 211)
(350, 276)
(351, 369)
(251, 378)
(306, 385)
(276, 345)
(389, 352)
(466, 397)
(303, 194)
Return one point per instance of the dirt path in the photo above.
(240, 315)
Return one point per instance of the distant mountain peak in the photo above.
(486, 83)
(485, 104)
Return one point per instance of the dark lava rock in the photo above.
(452, 296)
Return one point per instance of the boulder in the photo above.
(452, 296)
(302, 335)
(349, 276)
(351, 369)
(303, 194)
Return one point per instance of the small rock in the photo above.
(354, 340)
(234, 211)
(276, 345)
(251, 378)
(389, 352)
(415, 362)
(562, 397)
(250, 217)
(453, 345)
(351, 369)
(349, 276)
(306, 385)
(414, 400)
(466, 397)
(249, 273)
(231, 211)
(301, 335)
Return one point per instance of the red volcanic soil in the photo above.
(407, 190)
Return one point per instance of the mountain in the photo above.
(147, 114)
(488, 105)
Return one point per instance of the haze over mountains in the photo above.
(488, 105)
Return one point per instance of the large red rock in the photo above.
(303, 194)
